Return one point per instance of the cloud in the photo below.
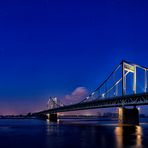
(76, 96)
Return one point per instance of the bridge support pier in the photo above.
(128, 116)
(53, 117)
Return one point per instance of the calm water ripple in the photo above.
(71, 134)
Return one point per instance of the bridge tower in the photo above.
(128, 68)
(53, 103)
(128, 116)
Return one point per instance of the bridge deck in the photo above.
(130, 100)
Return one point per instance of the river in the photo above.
(33, 133)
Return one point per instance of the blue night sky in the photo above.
(50, 48)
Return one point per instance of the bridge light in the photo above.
(103, 95)
(87, 98)
(93, 93)
(55, 99)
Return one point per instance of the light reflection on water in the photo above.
(128, 135)
(73, 134)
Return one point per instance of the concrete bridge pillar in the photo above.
(53, 117)
(128, 116)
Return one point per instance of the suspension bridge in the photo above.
(127, 85)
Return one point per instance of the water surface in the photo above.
(32, 133)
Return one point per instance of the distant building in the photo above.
(111, 115)
(99, 114)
